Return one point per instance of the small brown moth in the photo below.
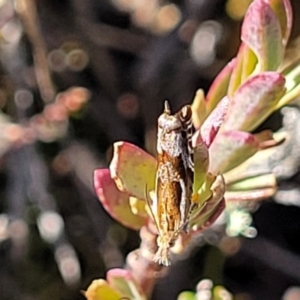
(174, 179)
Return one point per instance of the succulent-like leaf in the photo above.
(230, 149)
(246, 63)
(133, 169)
(138, 207)
(284, 13)
(256, 165)
(262, 33)
(99, 289)
(115, 202)
(219, 87)
(255, 182)
(236, 75)
(208, 212)
(204, 192)
(254, 101)
(251, 195)
(199, 109)
(201, 162)
(289, 97)
(249, 63)
(122, 281)
(212, 124)
(187, 296)
(220, 293)
(292, 73)
(266, 139)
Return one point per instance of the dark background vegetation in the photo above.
(129, 70)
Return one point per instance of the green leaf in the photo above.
(289, 97)
(245, 65)
(251, 195)
(249, 63)
(201, 161)
(99, 289)
(204, 192)
(206, 213)
(236, 76)
(255, 182)
(115, 202)
(262, 33)
(220, 293)
(254, 101)
(230, 149)
(123, 281)
(199, 109)
(133, 169)
(219, 87)
(187, 296)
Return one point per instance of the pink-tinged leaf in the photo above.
(99, 289)
(219, 87)
(289, 17)
(133, 169)
(212, 208)
(284, 13)
(253, 183)
(122, 281)
(198, 109)
(212, 124)
(262, 33)
(252, 195)
(230, 149)
(266, 139)
(115, 202)
(254, 166)
(254, 101)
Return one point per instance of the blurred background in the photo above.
(76, 76)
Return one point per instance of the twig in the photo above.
(26, 10)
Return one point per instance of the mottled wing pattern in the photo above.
(169, 191)
(173, 178)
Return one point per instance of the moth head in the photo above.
(185, 114)
(168, 122)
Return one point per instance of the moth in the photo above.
(174, 179)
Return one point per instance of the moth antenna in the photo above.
(167, 109)
(150, 208)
